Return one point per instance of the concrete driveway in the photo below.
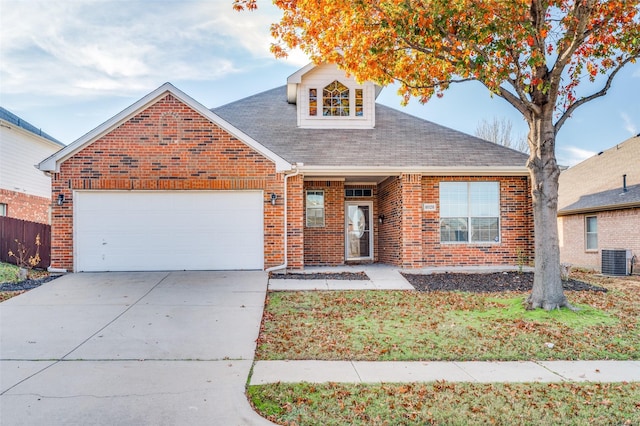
(158, 348)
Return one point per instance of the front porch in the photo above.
(395, 220)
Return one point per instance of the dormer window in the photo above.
(336, 101)
(326, 98)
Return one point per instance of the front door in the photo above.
(358, 231)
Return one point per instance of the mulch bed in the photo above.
(487, 283)
(358, 276)
(26, 284)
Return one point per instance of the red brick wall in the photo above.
(410, 237)
(26, 207)
(411, 225)
(617, 229)
(295, 222)
(325, 245)
(389, 235)
(516, 227)
(168, 146)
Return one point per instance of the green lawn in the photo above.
(444, 403)
(402, 325)
(454, 326)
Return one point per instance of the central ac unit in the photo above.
(615, 261)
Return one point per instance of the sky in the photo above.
(67, 66)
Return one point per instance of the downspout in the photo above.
(286, 239)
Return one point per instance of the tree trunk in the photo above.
(547, 292)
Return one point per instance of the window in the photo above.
(313, 102)
(3, 209)
(591, 233)
(358, 192)
(359, 103)
(469, 211)
(335, 100)
(315, 208)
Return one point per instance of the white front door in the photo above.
(358, 231)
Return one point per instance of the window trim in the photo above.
(4, 209)
(353, 192)
(357, 105)
(307, 208)
(586, 234)
(469, 218)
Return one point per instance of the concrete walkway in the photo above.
(469, 371)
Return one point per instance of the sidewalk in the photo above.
(467, 371)
(385, 277)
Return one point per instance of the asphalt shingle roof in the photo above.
(398, 139)
(597, 183)
(10, 117)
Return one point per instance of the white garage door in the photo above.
(168, 230)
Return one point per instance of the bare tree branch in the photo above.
(598, 94)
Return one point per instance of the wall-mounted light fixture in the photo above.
(274, 197)
(381, 219)
(60, 199)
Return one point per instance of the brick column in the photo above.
(411, 221)
(295, 222)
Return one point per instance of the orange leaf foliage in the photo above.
(532, 53)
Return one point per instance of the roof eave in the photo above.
(597, 209)
(310, 170)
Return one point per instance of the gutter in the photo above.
(312, 171)
(286, 239)
(596, 209)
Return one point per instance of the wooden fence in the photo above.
(26, 233)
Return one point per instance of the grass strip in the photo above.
(446, 403)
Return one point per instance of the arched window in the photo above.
(335, 100)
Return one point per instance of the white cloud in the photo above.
(572, 155)
(93, 48)
(629, 125)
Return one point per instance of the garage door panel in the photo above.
(196, 230)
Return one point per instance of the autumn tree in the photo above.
(500, 131)
(545, 58)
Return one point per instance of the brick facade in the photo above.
(167, 146)
(170, 146)
(516, 227)
(410, 237)
(325, 245)
(389, 234)
(25, 206)
(617, 229)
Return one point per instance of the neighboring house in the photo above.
(168, 184)
(599, 205)
(25, 193)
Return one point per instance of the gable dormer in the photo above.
(326, 98)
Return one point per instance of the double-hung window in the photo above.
(469, 212)
(315, 208)
(591, 233)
